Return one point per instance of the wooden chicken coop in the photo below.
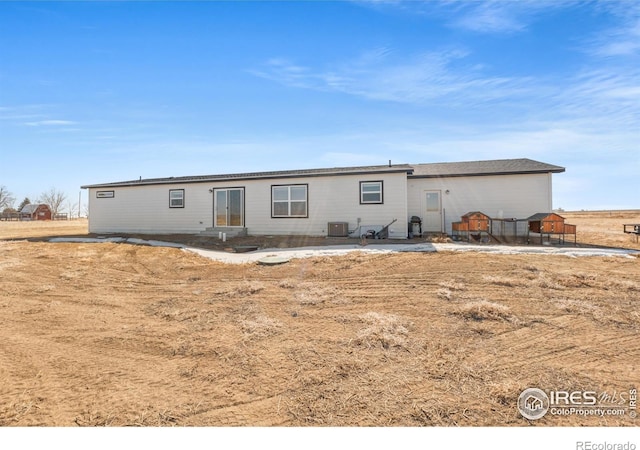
(473, 224)
(549, 225)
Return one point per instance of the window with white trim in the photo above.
(289, 201)
(371, 192)
(176, 198)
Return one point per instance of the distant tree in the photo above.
(8, 213)
(24, 203)
(53, 199)
(6, 198)
(72, 209)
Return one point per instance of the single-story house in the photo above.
(317, 202)
(35, 212)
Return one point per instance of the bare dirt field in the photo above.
(604, 227)
(117, 334)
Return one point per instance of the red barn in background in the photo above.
(35, 212)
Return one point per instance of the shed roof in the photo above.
(31, 208)
(472, 213)
(542, 216)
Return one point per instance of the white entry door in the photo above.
(433, 212)
(228, 207)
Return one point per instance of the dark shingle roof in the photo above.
(479, 168)
(395, 168)
(433, 170)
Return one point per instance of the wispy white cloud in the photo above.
(23, 112)
(416, 79)
(621, 40)
(34, 115)
(48, 123)
(488, 16)
(493, 17)
(606, 99)
(560, 142)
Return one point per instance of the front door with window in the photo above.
(228, 207)
(433, 213)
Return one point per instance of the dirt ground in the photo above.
(605, 228)
(117, 334)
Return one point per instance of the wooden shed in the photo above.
(35, 212)
(550, 224)
(471, 223)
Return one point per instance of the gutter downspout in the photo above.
(550, 200)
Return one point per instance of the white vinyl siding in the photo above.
(498, 196)
(143, 209)
(330, 199)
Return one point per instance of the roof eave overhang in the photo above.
(183, 180)
(458, 175)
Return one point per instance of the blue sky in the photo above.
(107, 91)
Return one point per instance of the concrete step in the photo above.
(230, 231)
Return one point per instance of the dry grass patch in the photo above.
(382, 330)
(444, 293)
(485, 310)
(38, 228)
(626, 285)
(582, 280)
(575, 306)
(436, 413)
(447, 288)
(260, 326)
(288, 283)
(578, 280)
(244, 289)
(502, 281)
(173, 310)
(546, 281)
(603, 313)
(310, 294)
(12, 412)
(147, 416)
(453, 285)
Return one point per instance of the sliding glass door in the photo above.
(228, 207)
